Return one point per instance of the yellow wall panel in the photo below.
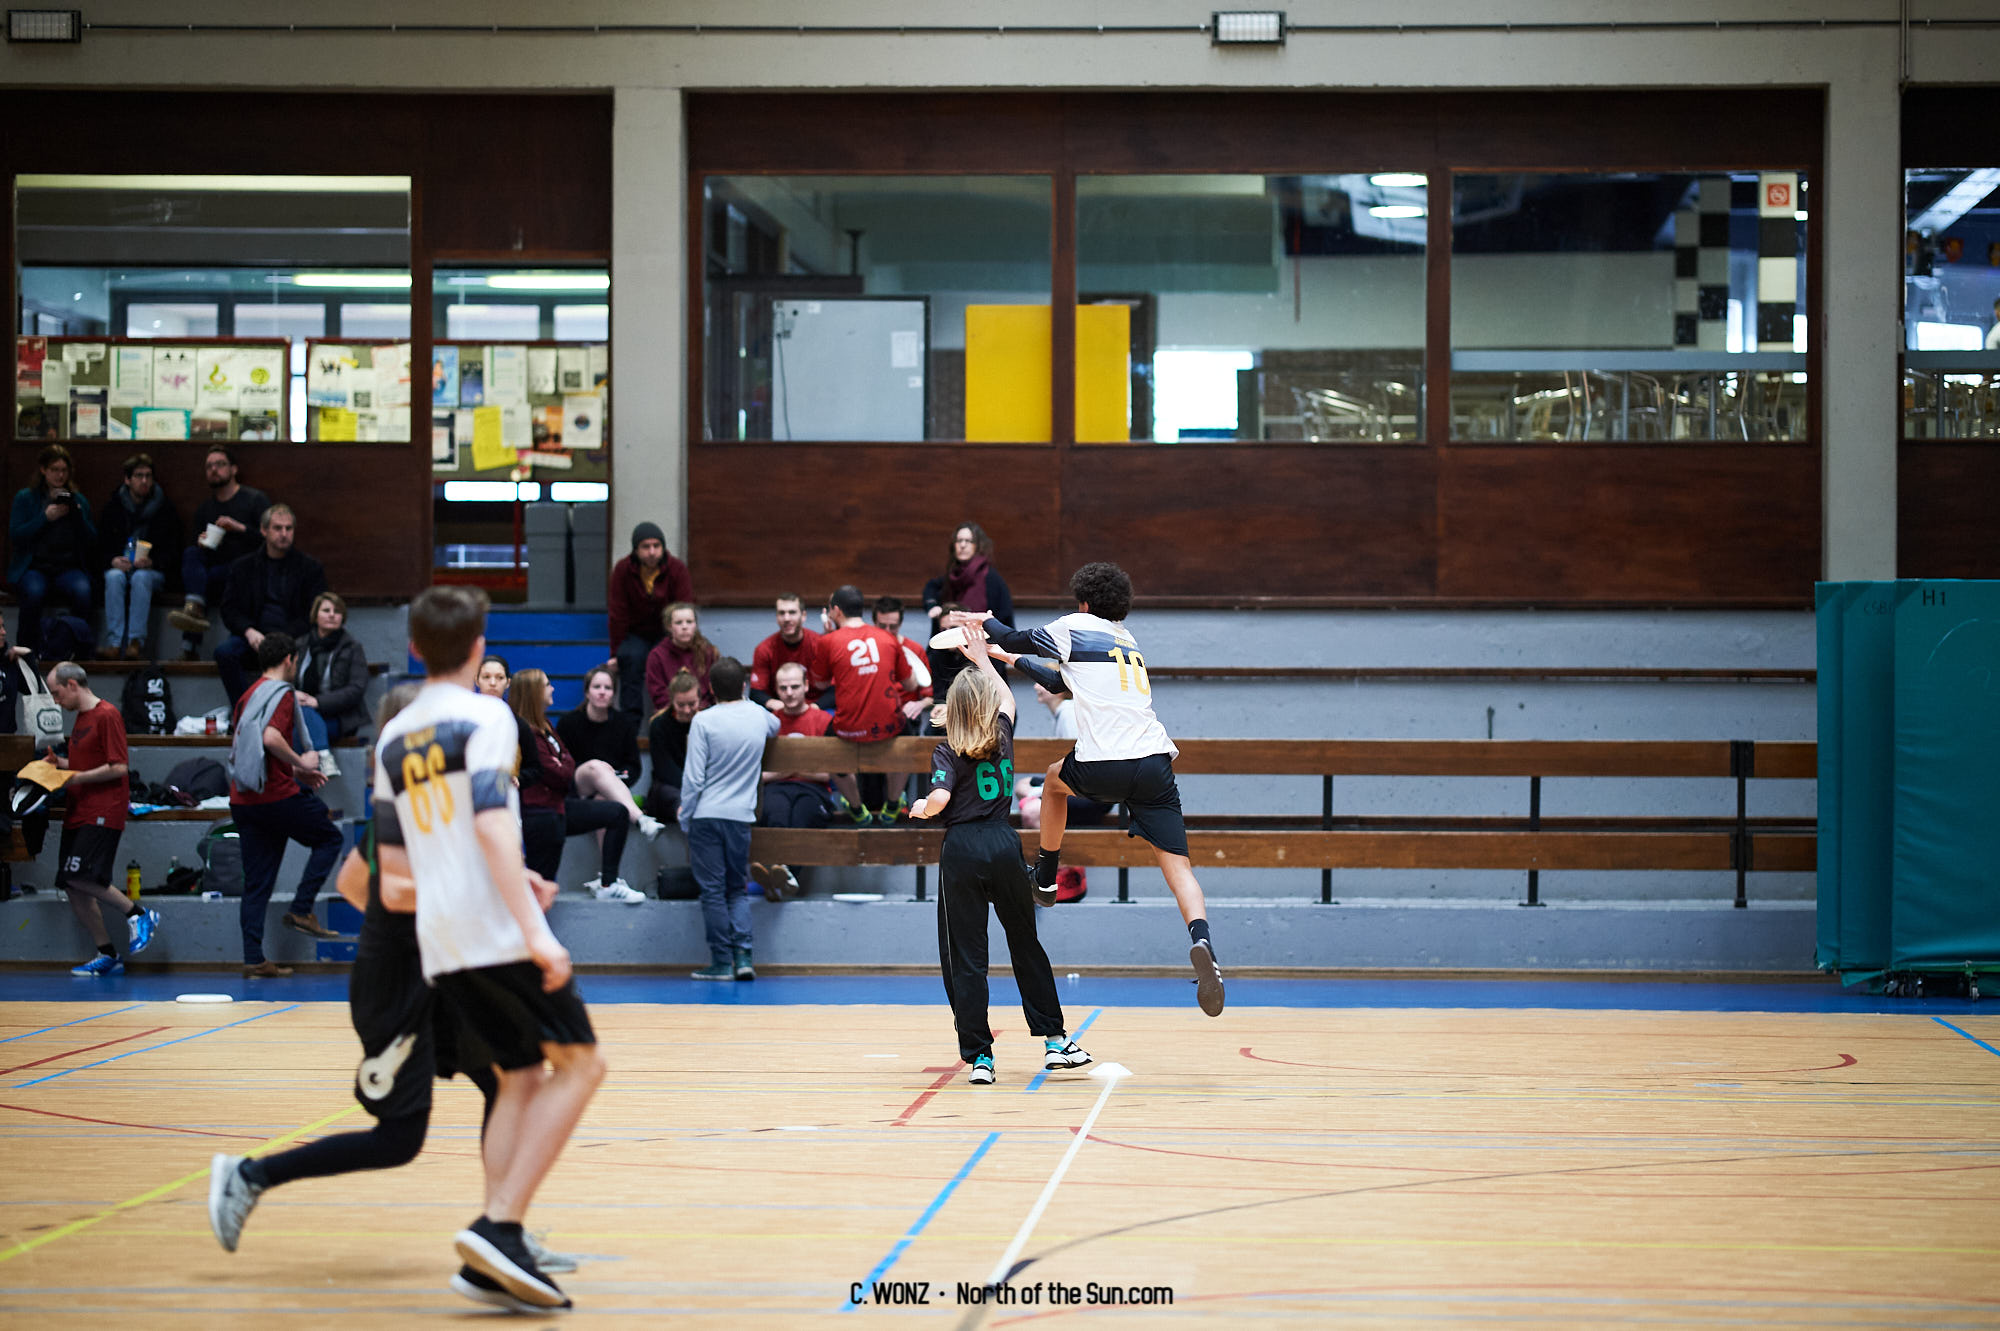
(1007, 373)
(1103, 375)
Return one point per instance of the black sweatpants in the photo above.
(544, 830)
(981, 865)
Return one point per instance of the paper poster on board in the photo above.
(330, 376)
(541, 371)
(175, 378)
(444, 450)
(507, 376)
(337, 425)
(488, 451)
(582, 414)
(132, 377)
(159, 423)
(217, 374)
(392, 376)
(444, 376)
(573, 370)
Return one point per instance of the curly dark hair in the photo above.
(1105, 588)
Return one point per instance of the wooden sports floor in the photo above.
(1282, 1166)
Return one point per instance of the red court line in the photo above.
(115, 1123)
(22, 1067)
(1846, 1061)
(903, 1119)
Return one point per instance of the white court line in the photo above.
(1113, 1073)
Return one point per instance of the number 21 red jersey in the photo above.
(866, 665)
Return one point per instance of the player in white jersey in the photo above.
(448, 761)
(1122, 754)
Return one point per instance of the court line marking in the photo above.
(1043, 1075)
(149, 1048)
(78, 1022)
(937, 1203)
(1005, 1266)
(76, 1226)
(1967, 1034)
(72, 1053)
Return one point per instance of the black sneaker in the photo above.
(482, 1288)
(1207, 978)
(1048, 863)
(500, 1252)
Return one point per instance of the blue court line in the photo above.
(937, 1203)
(1967, 1034)
(78, 1022)
(148, 1049)
(1043, 1075)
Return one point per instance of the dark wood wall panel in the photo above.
(769, 518)
(493, 175)
(1712, 129)
(1229, 522)
(1947, 496)
(1624, 524)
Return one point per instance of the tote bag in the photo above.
(41, 715)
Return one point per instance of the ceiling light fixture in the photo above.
(45, 25)
(550, 282)
(1399, 180)
(1396, 210)
(1249, 27)
(354, 281)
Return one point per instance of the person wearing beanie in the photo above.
(643, 584)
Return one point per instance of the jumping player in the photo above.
(447, 763)
(1122, 754)
(972, 785)
(406, 1043)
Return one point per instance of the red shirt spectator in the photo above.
(643, 584)
(667, 660)
(279, 783)
(99, 738)
(868, 670)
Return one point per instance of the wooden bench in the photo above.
(1725, 841)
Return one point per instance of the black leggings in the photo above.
(391, 1142)
(543, 830)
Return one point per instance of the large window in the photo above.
(877, 308)
(1630, 306)
(1951, 303)
(1250, 307)
(207, 269)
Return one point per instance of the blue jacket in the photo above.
(27, 522)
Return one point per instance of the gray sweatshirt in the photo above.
(725, 762)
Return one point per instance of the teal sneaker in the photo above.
(1063, 1052)
(981, 1071)
(718, 970)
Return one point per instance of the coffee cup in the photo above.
(211, 536)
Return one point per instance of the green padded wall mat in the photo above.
(1946, 852)
(1867, 774)
(1829, 602)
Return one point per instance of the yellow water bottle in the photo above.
(132, 879)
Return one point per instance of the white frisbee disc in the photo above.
(204, 998)
(948, 640)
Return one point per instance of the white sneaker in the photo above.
(650, 827)
(618, 890)
(327, 766)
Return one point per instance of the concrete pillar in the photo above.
(648, 316)
(1859, 309)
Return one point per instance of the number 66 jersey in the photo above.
(445, 758)
(1106, 674)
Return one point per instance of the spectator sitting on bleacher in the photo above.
(232, 509)
(138, 523)
(271, 590)
(493, 676)
(52, 536)
(667, 741)
(273, 773)
(550, 809)
(793, 799)
(605, 746)
(868, 670)
(888, 616)
(683, 648)
(333, 679)
(642, 585)
(793, 643)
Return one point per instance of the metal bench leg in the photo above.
(1534, 825)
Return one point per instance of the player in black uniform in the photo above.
(972, 785)
(408, 1039)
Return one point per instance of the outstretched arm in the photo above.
(975, 651)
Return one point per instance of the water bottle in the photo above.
(132, 879)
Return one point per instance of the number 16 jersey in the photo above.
(1106, 674)
(448, 756)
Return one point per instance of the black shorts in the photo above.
(394, 1012)
(1145, 786)
(506, 1011)
(88, 854)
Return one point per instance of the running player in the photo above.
(1122, 754)
(406, 1042)
(447, 763)
(972, 785)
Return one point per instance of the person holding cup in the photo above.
(136, 521)
(225, 530)
(53, 535)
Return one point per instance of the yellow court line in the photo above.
(76, 1226)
